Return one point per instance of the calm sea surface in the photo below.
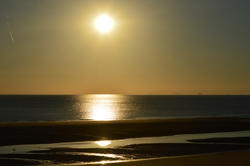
(115, 107)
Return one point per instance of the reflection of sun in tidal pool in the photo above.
(103, 143)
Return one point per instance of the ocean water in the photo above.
(15, 108)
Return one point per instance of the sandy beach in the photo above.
(194, 152)
(240, 158)
(68, 131)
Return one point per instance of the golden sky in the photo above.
(156, 47)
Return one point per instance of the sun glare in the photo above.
(104, 23)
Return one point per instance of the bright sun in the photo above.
(104, 23)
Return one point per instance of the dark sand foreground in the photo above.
(53, 132)
(237, 158)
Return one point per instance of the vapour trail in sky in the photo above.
(9, 30)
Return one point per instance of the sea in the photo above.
(22, 108)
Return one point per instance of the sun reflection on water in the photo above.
(100, 111)
(101, 107)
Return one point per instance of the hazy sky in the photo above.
(157, 47)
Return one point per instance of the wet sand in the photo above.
(239, 158)
(237, 140)
(69, 131)
(129, 152)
